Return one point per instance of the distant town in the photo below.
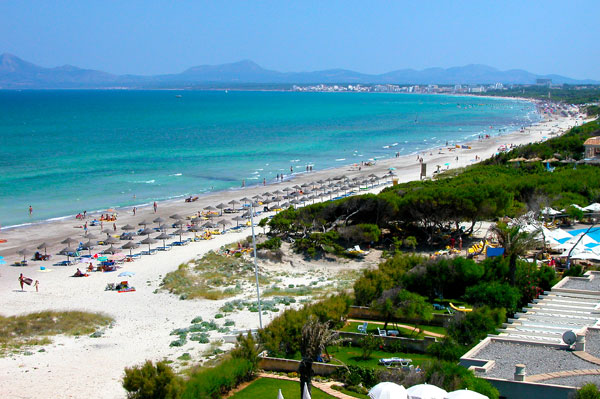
(442, 89)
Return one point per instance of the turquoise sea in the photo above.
(67, 151)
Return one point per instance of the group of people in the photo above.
(26, 280)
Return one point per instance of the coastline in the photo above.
(145, 318)
(288, 178)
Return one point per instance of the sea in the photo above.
(66, 151)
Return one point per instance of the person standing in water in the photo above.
(30, 210)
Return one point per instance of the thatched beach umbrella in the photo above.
(180, 232)
(90, 236)
(110, 250)
(223, 223)
(238, 219)
(159, 220)
(111, 240)
(246, 200)
(127, 227)
(221, 206)
(68, 241)
(143, 223)
(278, 192)
(66, 252)
(210, 208)
(24, 252)
(163, 236)
(197, 220)
(149, 241)
(89, 245)
(232, 203)
(147, 231)
(43, 246)
(130, 245)
(176, 216)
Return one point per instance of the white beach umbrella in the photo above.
(595, 207)
(279, 395)
(305, 393)
(557, 234)
(567, 245)
(388, 390)
(549, 211)
(426, 391)
(465, 394)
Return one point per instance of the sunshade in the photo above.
(426, 391)
(388, 390)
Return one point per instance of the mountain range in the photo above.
(16, 73)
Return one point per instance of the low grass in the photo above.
(353, 356)
(34, 328)
(214, 276)
(268, 388)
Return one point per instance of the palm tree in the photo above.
(316, 336)
(515, 243)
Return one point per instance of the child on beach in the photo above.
(37, 284)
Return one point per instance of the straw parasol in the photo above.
(111, 240)
(90, 236)
(221, 206)
(163, 236)
(148, 240)
(176, 216)
(127, 227)
(107, 231)
(224, 222)
(88, 245)
(179, 232)
(110, 250)
(210, 208)
(24, 252)
(43, 246)
(68, 241)
(238, 219)
(147, 231)
(196, 220)
(233, 202)
(246, 200)
(550, 160)
(536, 159)
(130, 245)
(159, 220)
(66, 251)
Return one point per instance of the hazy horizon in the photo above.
(161, 38)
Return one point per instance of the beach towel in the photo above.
(27, 280)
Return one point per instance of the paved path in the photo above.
(559, 374)
(430, 333)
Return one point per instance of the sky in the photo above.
(154, 37)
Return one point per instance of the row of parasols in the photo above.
(294, 196)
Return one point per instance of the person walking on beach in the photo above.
(114, 226)
(134, 211)
(37, 285)
(264, 181)
(30, 210)
(21, 281)
(155, 206)
(84, 214)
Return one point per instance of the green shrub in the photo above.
(446, 350)
(212, 383)
(197, 320)
(451, 377)
(180, 342)
(494, 294)
(200, 337)
(476, 325)
(219, 316)
(588, 391)
(152, 382)
(272, 244)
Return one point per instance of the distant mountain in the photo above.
(16, 73)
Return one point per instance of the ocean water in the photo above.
(67, 151)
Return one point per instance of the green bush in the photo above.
(152, 382)
(272, 244)
(470, 328)
(494, 294)
(451, 377)
(216, 381)
(282, 336)
(446, 350)
(588, 391)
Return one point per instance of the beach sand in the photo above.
(93, 367)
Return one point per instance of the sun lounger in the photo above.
(363, 328)
(165, 248)
(381, 332)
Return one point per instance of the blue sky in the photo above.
(150, 37)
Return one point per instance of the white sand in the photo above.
(93, 367)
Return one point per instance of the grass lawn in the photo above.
(268, 388)
(352, 355)
(404, 332)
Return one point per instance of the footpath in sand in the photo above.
(93, 367)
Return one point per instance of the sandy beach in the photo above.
(93, 367)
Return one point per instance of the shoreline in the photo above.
(144, 319)
(288, 177)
